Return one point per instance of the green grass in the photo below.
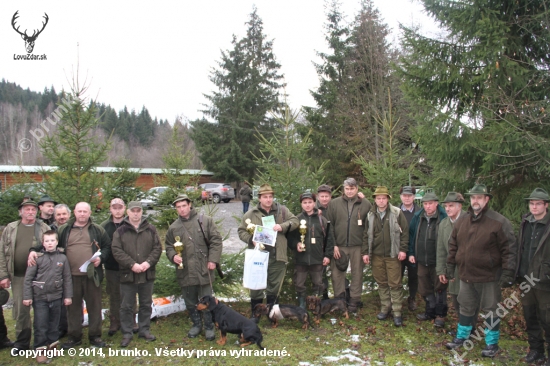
(380, 343)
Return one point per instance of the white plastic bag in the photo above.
(255, 269)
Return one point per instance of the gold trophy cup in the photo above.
(303, 231)
(250, 227)
(178, 247)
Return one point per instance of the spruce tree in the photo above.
(248, 85)
(480, 95)
(75, 152)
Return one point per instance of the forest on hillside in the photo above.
(135, 135)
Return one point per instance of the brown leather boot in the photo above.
(114, 326)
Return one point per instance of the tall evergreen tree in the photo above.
(481, 93)
(322, 120)
(75, 153)
(248, 83)
(354, 80)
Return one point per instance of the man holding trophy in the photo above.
(194, 245)
(282, 221)
(314, 245)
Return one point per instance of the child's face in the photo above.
(50, 243)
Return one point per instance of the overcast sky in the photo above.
(159, 54)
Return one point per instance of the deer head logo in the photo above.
(29, 40)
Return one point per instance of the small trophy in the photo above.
(178, 247)
(303, 231)
(250, 227)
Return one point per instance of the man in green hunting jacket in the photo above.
(198, 259)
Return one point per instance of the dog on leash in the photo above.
(229, 321)
(320, 307)
(278, 312)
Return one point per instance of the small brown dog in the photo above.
(285, 312)
(320, 307)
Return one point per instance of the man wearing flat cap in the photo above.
(17, 239)
(533, 260)
(46, 207)
(453, 206)
(409, 208)
(483, 247)
(317, 248)
(202, 249)
(137, 264)
(347, 215)
(423, 233)
(387, 238)
(285, 222)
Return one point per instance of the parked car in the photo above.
(151, 197)
(219, 191)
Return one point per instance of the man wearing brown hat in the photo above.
(532, 261)
(314, 255)
(285, 222)
(137, 265)
(347, 215)
(202, 249)
(387, 237)
(117, 208)
(483, 247)
(423, 233)
(46, 206)
(409, 208)
(453, 206)
(17, 239)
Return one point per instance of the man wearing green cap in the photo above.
(387, 238)
(202, 249)
(533, 261)
(423, 232)
(453, 207)
(483, 247)
(136, 248)
(314, 255)
(17, 239)
(81, 238)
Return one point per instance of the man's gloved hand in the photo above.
(450, 272)
(507, 278)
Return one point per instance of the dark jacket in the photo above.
(282, 216)
(347, 231)
(131, 246)
(195, 253)
(428, 254)
(481, 247)
(245, 193)
(539, 265)
(316, 224)
(110, 227)
(408, 214)
(96, 233)
(50, 279)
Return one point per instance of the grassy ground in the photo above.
(379, 343)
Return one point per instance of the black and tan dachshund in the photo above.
(229, 321)
(287, 312)
(321, 307)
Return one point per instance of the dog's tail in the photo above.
(259, 342)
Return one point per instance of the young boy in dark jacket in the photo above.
(311, 254)
(46, 284)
